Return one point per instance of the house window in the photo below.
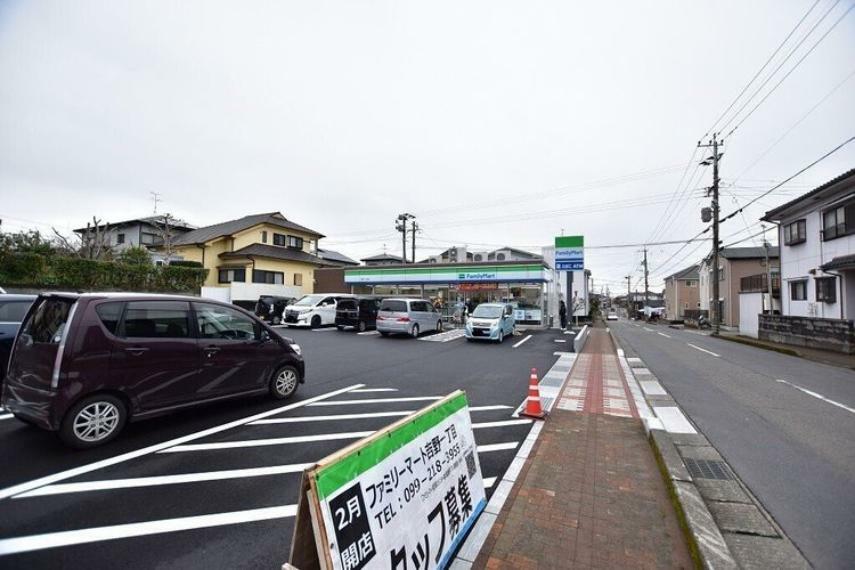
(826, 289)
(237, 275)
(691, 283)
(295, 242)
(795, 233)
(798, 290)
(270, 277)
(279, 239)
(721, 273)
(147, 239)
(264, 237)
(298, 279)
(120, 238)
(834, 221)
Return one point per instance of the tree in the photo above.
(93, 243)
(29, 241)
(165, 224)
(137, 255)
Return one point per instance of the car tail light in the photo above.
(403, 319)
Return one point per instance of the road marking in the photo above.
(703, 350)
(366, 390)
(6, 416)
(649, 329)
(502, 423)
(266, 441)
(673, 419)
(489, 482)
(109, 484)
(497, 447)
(368, 333)
(520, 343)
(560, 340)
(327, 329)
(663, 334)
(330, 418)
(62, 475)
(818, 396)
(86, 535)
(376, 401)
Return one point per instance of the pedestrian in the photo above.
(562, 314)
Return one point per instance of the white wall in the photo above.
(249, 291)
(750, 306)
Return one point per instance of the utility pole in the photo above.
(415, 228)
(628, 296)
(768, 268)
(716, 305)
(401, 226)
(646, 289)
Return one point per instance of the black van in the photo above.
(359, 312)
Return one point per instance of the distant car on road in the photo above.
(491, 321)
(13, 308)
(271, 308)
(84, 365)
(407, 316)
(312, 311)
(612, 316)
(359, 312)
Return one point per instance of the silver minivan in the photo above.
(407, 316)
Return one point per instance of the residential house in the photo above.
(817, 233)
(382, 259)
(734, 264)
(336, 258)
(254, 255)
(147, 231)
(681, 293)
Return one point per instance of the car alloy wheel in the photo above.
(93, 421)
(501, 337)
(362, 326)
(284, 382)
(415, 331)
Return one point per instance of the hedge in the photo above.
(34, 270)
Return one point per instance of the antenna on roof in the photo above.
(155, 196)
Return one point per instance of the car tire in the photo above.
(415, 331)
(339, 327)
(81, 428)
(384, 333)
(315, 322)
(284, 382)
(276, 321)
(501, 337)
(361, 326)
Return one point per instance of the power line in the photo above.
(759, 71)
(834, 25)
(664, 217)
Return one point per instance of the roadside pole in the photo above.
(646, 289)
(715, 307)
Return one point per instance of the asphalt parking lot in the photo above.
(216, 487)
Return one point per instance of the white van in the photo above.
(312, 311)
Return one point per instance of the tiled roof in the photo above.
(232, 227)
(336, 257)
(275, 252)
(775, 213)
(687, 273)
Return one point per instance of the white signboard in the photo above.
(403, 498)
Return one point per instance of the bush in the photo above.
(182, 263)
(34, 270)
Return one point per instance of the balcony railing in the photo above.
(760, 284)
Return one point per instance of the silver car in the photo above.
(407, 316)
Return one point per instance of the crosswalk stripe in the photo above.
(108, 484)
(21, 544)
(266, 442)
(375, 401)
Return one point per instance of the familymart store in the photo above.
(525, 285)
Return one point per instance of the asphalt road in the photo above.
(795, 450)
(136, 514)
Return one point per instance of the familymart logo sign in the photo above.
(480, 276)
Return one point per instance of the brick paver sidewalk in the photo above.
(591, 494)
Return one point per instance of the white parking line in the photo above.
(663, 334)
(502, 423)
(98, 534)
(327, 329)
(366, 390)
(108, 484)
(497, 447)
(818, 396)
(368, 333)
(489, 482)
(6, 416)
(376, 401)
(703, 350)
(330, 418)
(266, 441)
(649, 329)
(62, 475)
(520, 343)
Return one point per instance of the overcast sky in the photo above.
(495, 122)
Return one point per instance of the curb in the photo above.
(749, 342)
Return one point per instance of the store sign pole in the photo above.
(402, 498)
(570, 257)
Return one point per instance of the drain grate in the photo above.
(707, 469)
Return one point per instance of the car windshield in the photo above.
(488, 311)
(308, 301)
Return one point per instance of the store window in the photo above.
(826, 289)
(795, 232)
(798, 290)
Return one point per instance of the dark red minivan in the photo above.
(83, 365)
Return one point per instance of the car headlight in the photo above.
(296, 348)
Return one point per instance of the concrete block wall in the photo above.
(828, 334)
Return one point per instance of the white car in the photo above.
(612, 316)
(312, 311)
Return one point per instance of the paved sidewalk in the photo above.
(591, 494)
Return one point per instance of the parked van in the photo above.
(491, 321)
(407, 316)
(359, 312)
(84, 365)
(312, 311)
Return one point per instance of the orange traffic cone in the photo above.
(532, 403)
